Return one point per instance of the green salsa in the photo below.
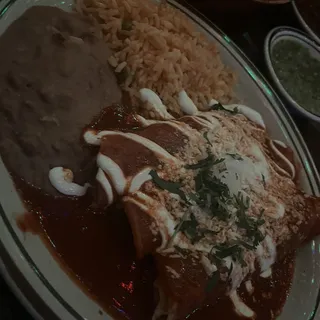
(299, 73)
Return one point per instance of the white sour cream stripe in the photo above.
(62, 180)
(184, 129)
(186, 104)
(280, 143)
(105, 184)
(139, 179)
(280, 155)
(113, 171)
(159, 151)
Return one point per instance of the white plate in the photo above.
(46, 289)
(304, 23)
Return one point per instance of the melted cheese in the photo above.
(242, 173)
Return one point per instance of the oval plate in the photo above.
(304, 24)
(47, 291)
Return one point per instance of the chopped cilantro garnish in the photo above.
(172, 187)
(224, 252)
(205, 135)
(189, 228)
(249, 224)
(205, 163)
(219, 106)
(264, 180)
(235, 156)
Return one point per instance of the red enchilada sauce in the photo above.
(96, 248)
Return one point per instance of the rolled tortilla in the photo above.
(154, 171)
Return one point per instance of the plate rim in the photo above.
(304, 24)
(260, 81)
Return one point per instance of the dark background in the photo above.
(247, 23)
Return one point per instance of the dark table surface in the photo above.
(247, 23)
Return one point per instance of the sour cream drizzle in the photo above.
(188, 107)
(62, 180)
(186, 104)
(113, 171)
(280, 155)
(149, 96)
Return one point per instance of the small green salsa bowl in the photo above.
(293, 61)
